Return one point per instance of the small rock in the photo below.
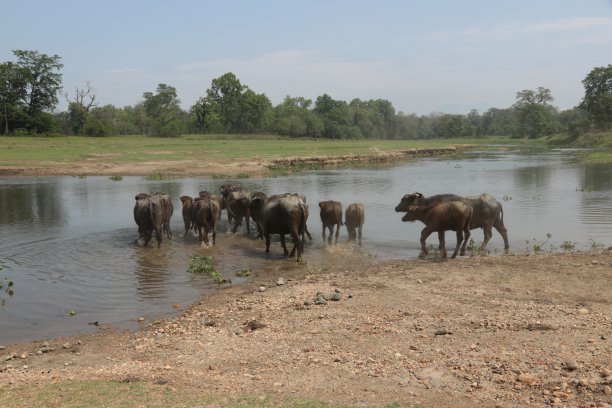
(38, 352)
(607, 390)
(583, 311)
(45, 349)
(473, 346)
(605, 372)
(25, 367)
(262, 288)
(571, 365)
(167, 367)
(66, 345)
(420, 282)
(2, 347)
(350, 295)
(320, 300)
(141, 319)
(280, 282)
(335, 296)
(79, 342)
(307, 303)
(23, 356)
(337, 290)
(442, 331)
(8, 357)
(525, 378)
(560, 394)
(584, 382)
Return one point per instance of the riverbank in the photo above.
(488, 331)
(201, 156)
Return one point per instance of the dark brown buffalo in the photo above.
(166, 202)
(439, 213)
(354, 217)
(204, 215)
(238, 206)
(149, 216)
(187, 208)
(488, 213)
(282, 214)
(226, 189)
(256, 205)
(331, 215)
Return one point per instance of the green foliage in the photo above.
(116, 178)
(157, 175)
(537, 246)
(163, 112)
(536, 115)
(597, 101)
(243, 175)
(568, 246)
(244, 272)
(202, 264)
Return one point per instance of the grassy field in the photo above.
(69, 149)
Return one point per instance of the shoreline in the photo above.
(492, 330)
(254, 166)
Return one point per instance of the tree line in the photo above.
(31, 87)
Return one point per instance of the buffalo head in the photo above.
(407, 201)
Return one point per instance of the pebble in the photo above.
(335, 296)
(583, 311)
(2, 347)
(67, 345)
(280, 282)
(442, 331)
(605, 372)
(607, 390)
(141, 319)
(525, 378)
(262, 288)
(307, 303)
(571, 365)
(23, 356)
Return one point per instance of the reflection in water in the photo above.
(68, 243)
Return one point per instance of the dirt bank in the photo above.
(483, 331)
(102, 166)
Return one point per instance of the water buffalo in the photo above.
(354, 217)
(488, 213)
(187, 208)
(149, 216)
(258, 200)
(282, 214)
(225, 190)
(439, 213)
(238, 206)
(204, 215)
(331, 215)
(166, 202)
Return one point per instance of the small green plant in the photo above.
(82, 176)
(568, 246)
(71, 313)
(585, 189)
(243, 175)
(595, 244)
(244, 272)
(202, 264)
(9, 285)
(156, 175)
(219, 176)
(507, 198)
(115, 178)
(537, 247)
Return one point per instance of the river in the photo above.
(67, 243)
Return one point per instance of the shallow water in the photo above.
(68, 243)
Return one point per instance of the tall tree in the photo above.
(536, 113)
(12, 91)
(163, 108)
(597, 99)
(42, 78)
(83, 100)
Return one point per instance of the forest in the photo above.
(31, 87)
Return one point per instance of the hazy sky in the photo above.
(423, 56)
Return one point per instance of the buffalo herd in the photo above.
(284, 214)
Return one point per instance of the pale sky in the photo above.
(423, 56)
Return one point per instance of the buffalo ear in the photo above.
(321, 203)
(184, 198)
(140, 196)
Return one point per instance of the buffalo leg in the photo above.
(307, 232)
(267, 236)
(488, 234)
(426, 232)
(147, 235)
(466, 237)
(158, 236)
(442, 241)
(214, 232)
(337, 233)
(499, 226)
(284, 244)
(359, 234)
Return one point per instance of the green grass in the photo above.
(47, 151)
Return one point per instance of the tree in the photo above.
(84, 100)
(597, 101)
(164, 111)
(224, 97)
(42, 78)
(536, 114)
(12, 90)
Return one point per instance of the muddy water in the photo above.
(68, 246)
